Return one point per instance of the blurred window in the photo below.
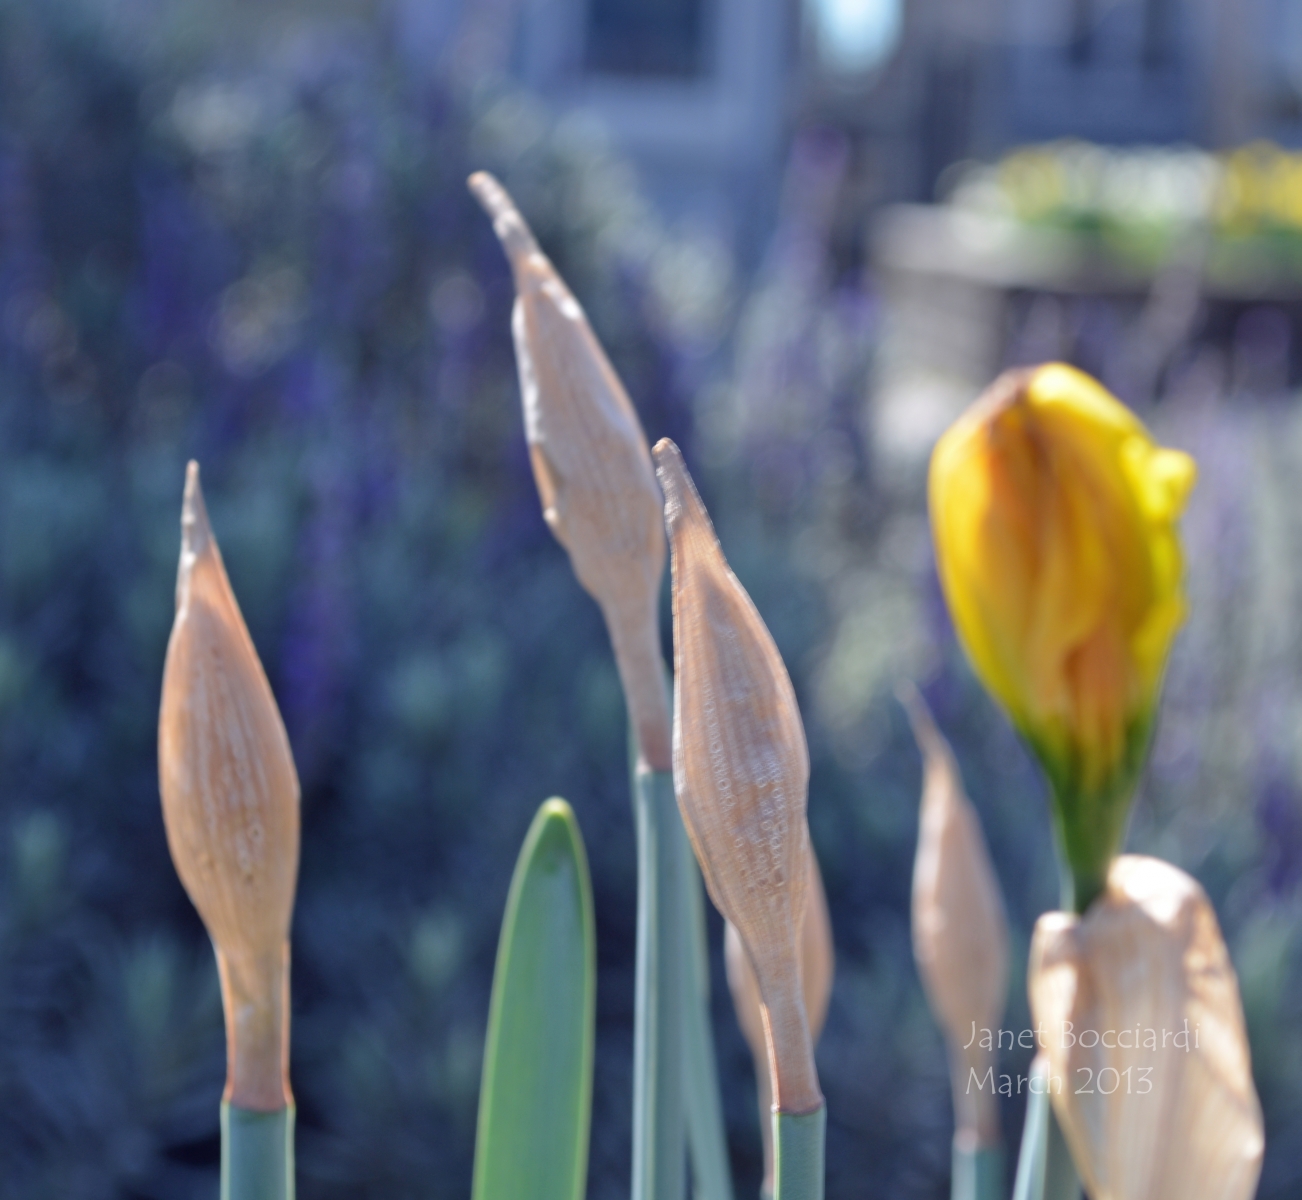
(1143, 30)
(854, 36)
(1286, 49)
(1159, 34)
(1080, 45)
(646, 38)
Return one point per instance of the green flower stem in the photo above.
(977, 1173)
(658, 1127)
(1045, 1170)
(1089, 820)
(1087, 837)
(798, 1140)
(1031, 1159)
(1060, 1182)
(704, 1108)
(257, 1154)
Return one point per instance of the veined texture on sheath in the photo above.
(591, 463)
(817, 963)
(230, 803)
(741, 771)
(817, 968)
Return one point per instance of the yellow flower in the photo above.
(1054, 517)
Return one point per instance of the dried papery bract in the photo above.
(230, 805)
(592, 466)
(960, 929)
(817, 963)
(741, 771)
(1141, 1015)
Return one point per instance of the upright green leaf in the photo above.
(535, 1102)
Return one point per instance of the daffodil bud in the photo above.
(817, 961)
(960, 931)
(1054, 519)
(230, 805)
(591, 464)
(1137, 1007)
(741, 772)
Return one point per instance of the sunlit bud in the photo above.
(960, 931)
(1140, 1011)
(230, 805)
(1054, 519)
(741, 772)
(592, 466)
(816, 967)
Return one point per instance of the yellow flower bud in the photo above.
(1139, 1013)
(592, 466)
(960, 930)
(741, 774)
(230, 805)
(1054, 519)
(817, 963)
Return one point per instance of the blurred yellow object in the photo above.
(1261, 188)
(1138, 1011)
(230, 805)
(1054, 519)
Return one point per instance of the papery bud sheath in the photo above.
(230, 805)
(741, 772)
(592, 466)
(1141, 1018)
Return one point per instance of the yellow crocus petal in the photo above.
(1058, 388)
(1053, 513)
(1162, 478)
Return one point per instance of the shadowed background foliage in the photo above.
(258, 251)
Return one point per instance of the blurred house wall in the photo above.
(970, 78)
(696, 94)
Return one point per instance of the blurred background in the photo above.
(808, 235)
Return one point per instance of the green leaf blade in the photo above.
(536, 1096)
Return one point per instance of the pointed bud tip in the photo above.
(511, 228)
(930, 741)
(667, 457)
(196, 533)
(485, 188)
(915, 708)
(675, 482)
